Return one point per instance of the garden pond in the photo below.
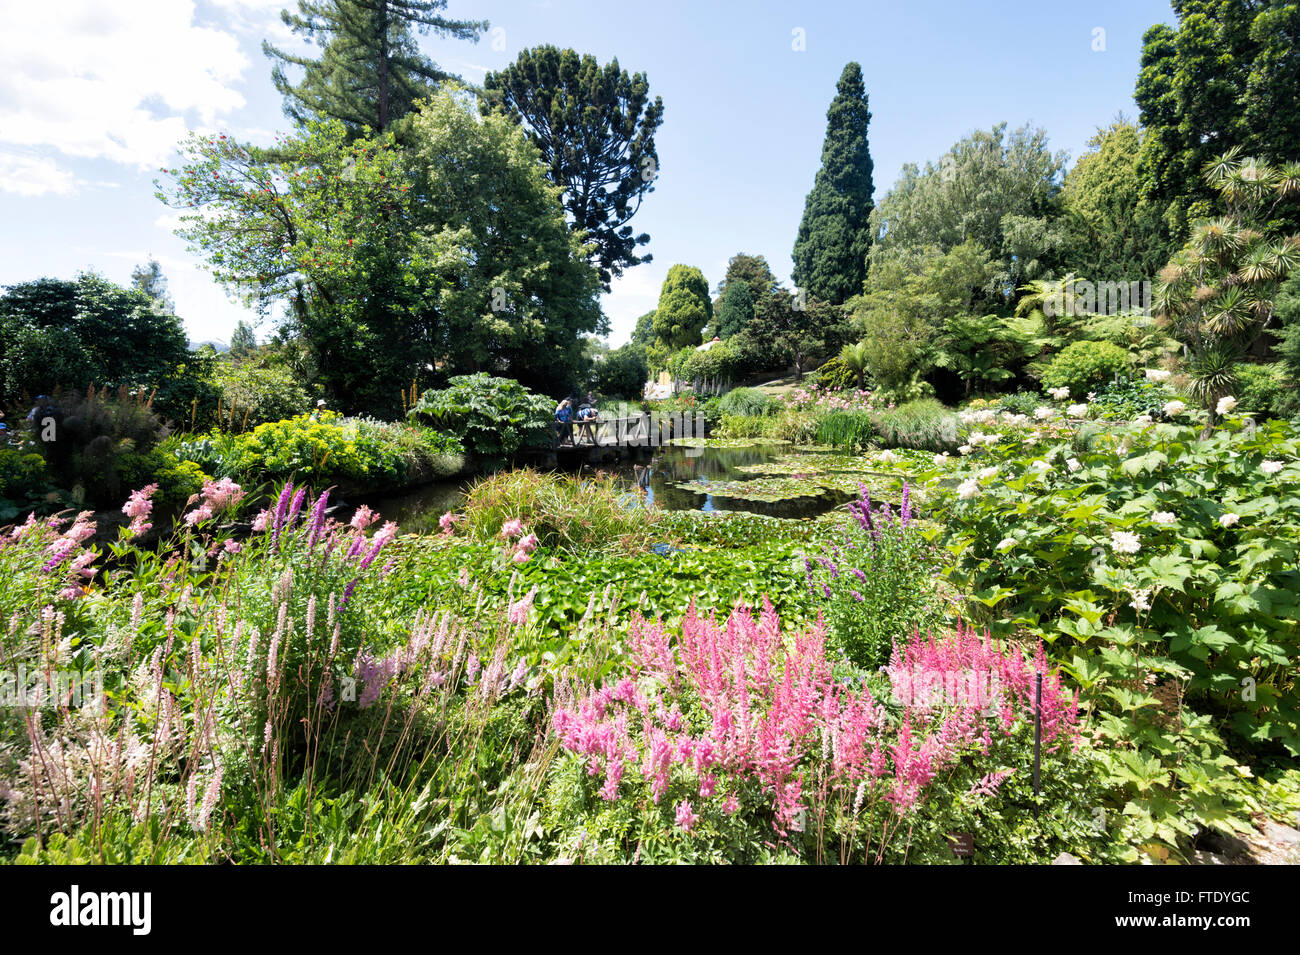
(771, 478)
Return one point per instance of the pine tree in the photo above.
(371, 72)
(830, 253)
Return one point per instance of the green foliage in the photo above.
(253, 394)
(1222, 78)
(1084, 365)
(1217, 292)
(595, 129)
(577, 515)
(82, 332)
(744, 401)
(392, 261)
(493, 417)
(1128, 398)
(982, 351)
(910, 296)
(1180, 633)
(995, 191)
(623, 372)
(736, 310)
(370, 74)
(924, 424)
(322, 448)
(1287, 305)
(836, 375)
(1265, 390)
(1113, 231)
(830, 251)
(684, 307)
(846, 429)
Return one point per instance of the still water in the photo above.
(417, 511)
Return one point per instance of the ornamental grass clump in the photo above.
(876, 582)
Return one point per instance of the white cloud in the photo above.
(117, 81)
(30, 175)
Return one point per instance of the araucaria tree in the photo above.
(684, 307)
(830, 253)
(595, 128)
(395, 264)
(1217, 293)
(371, 73)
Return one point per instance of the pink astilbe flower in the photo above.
(519, 610)
(362, 518)
(138, 507)
(216, 496)
(512, 528)
(686, 816)
(738, 700)
(448, 522)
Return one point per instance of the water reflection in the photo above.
(417, 511)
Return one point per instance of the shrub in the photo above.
(1160, 568)
(836, 375)
(1022, 402)
(623, 372)
(493, 417)
(1083, 365)
(1128, 398)
(1264, 390)
(876, 583)
(253, 394)
(97, 436)
(744, 401)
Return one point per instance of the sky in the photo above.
(95, 95)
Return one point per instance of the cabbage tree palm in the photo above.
(1216, 294)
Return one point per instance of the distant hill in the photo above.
(219, 347)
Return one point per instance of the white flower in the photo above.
(1143, 419)
(1125, 543)
(1173, 409)
(1042, 467)
(1163, 517)
(976, 439)
(968, 488)
(1225, 405)
(1019, 418)
(1077, 411)
(888, 457)
(1271, 467)
(939, 459)
(1227, 520)
(1073, 464)
(1157, 374)
(965, 449)
(1043, 413)
(1141, 600)
(1006, 543)
(986, 473)
(1059, 394)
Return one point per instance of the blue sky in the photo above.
(95, 93)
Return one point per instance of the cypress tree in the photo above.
(830, 253)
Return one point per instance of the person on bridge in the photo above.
(564, 421)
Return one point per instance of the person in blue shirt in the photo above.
(564, 421)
